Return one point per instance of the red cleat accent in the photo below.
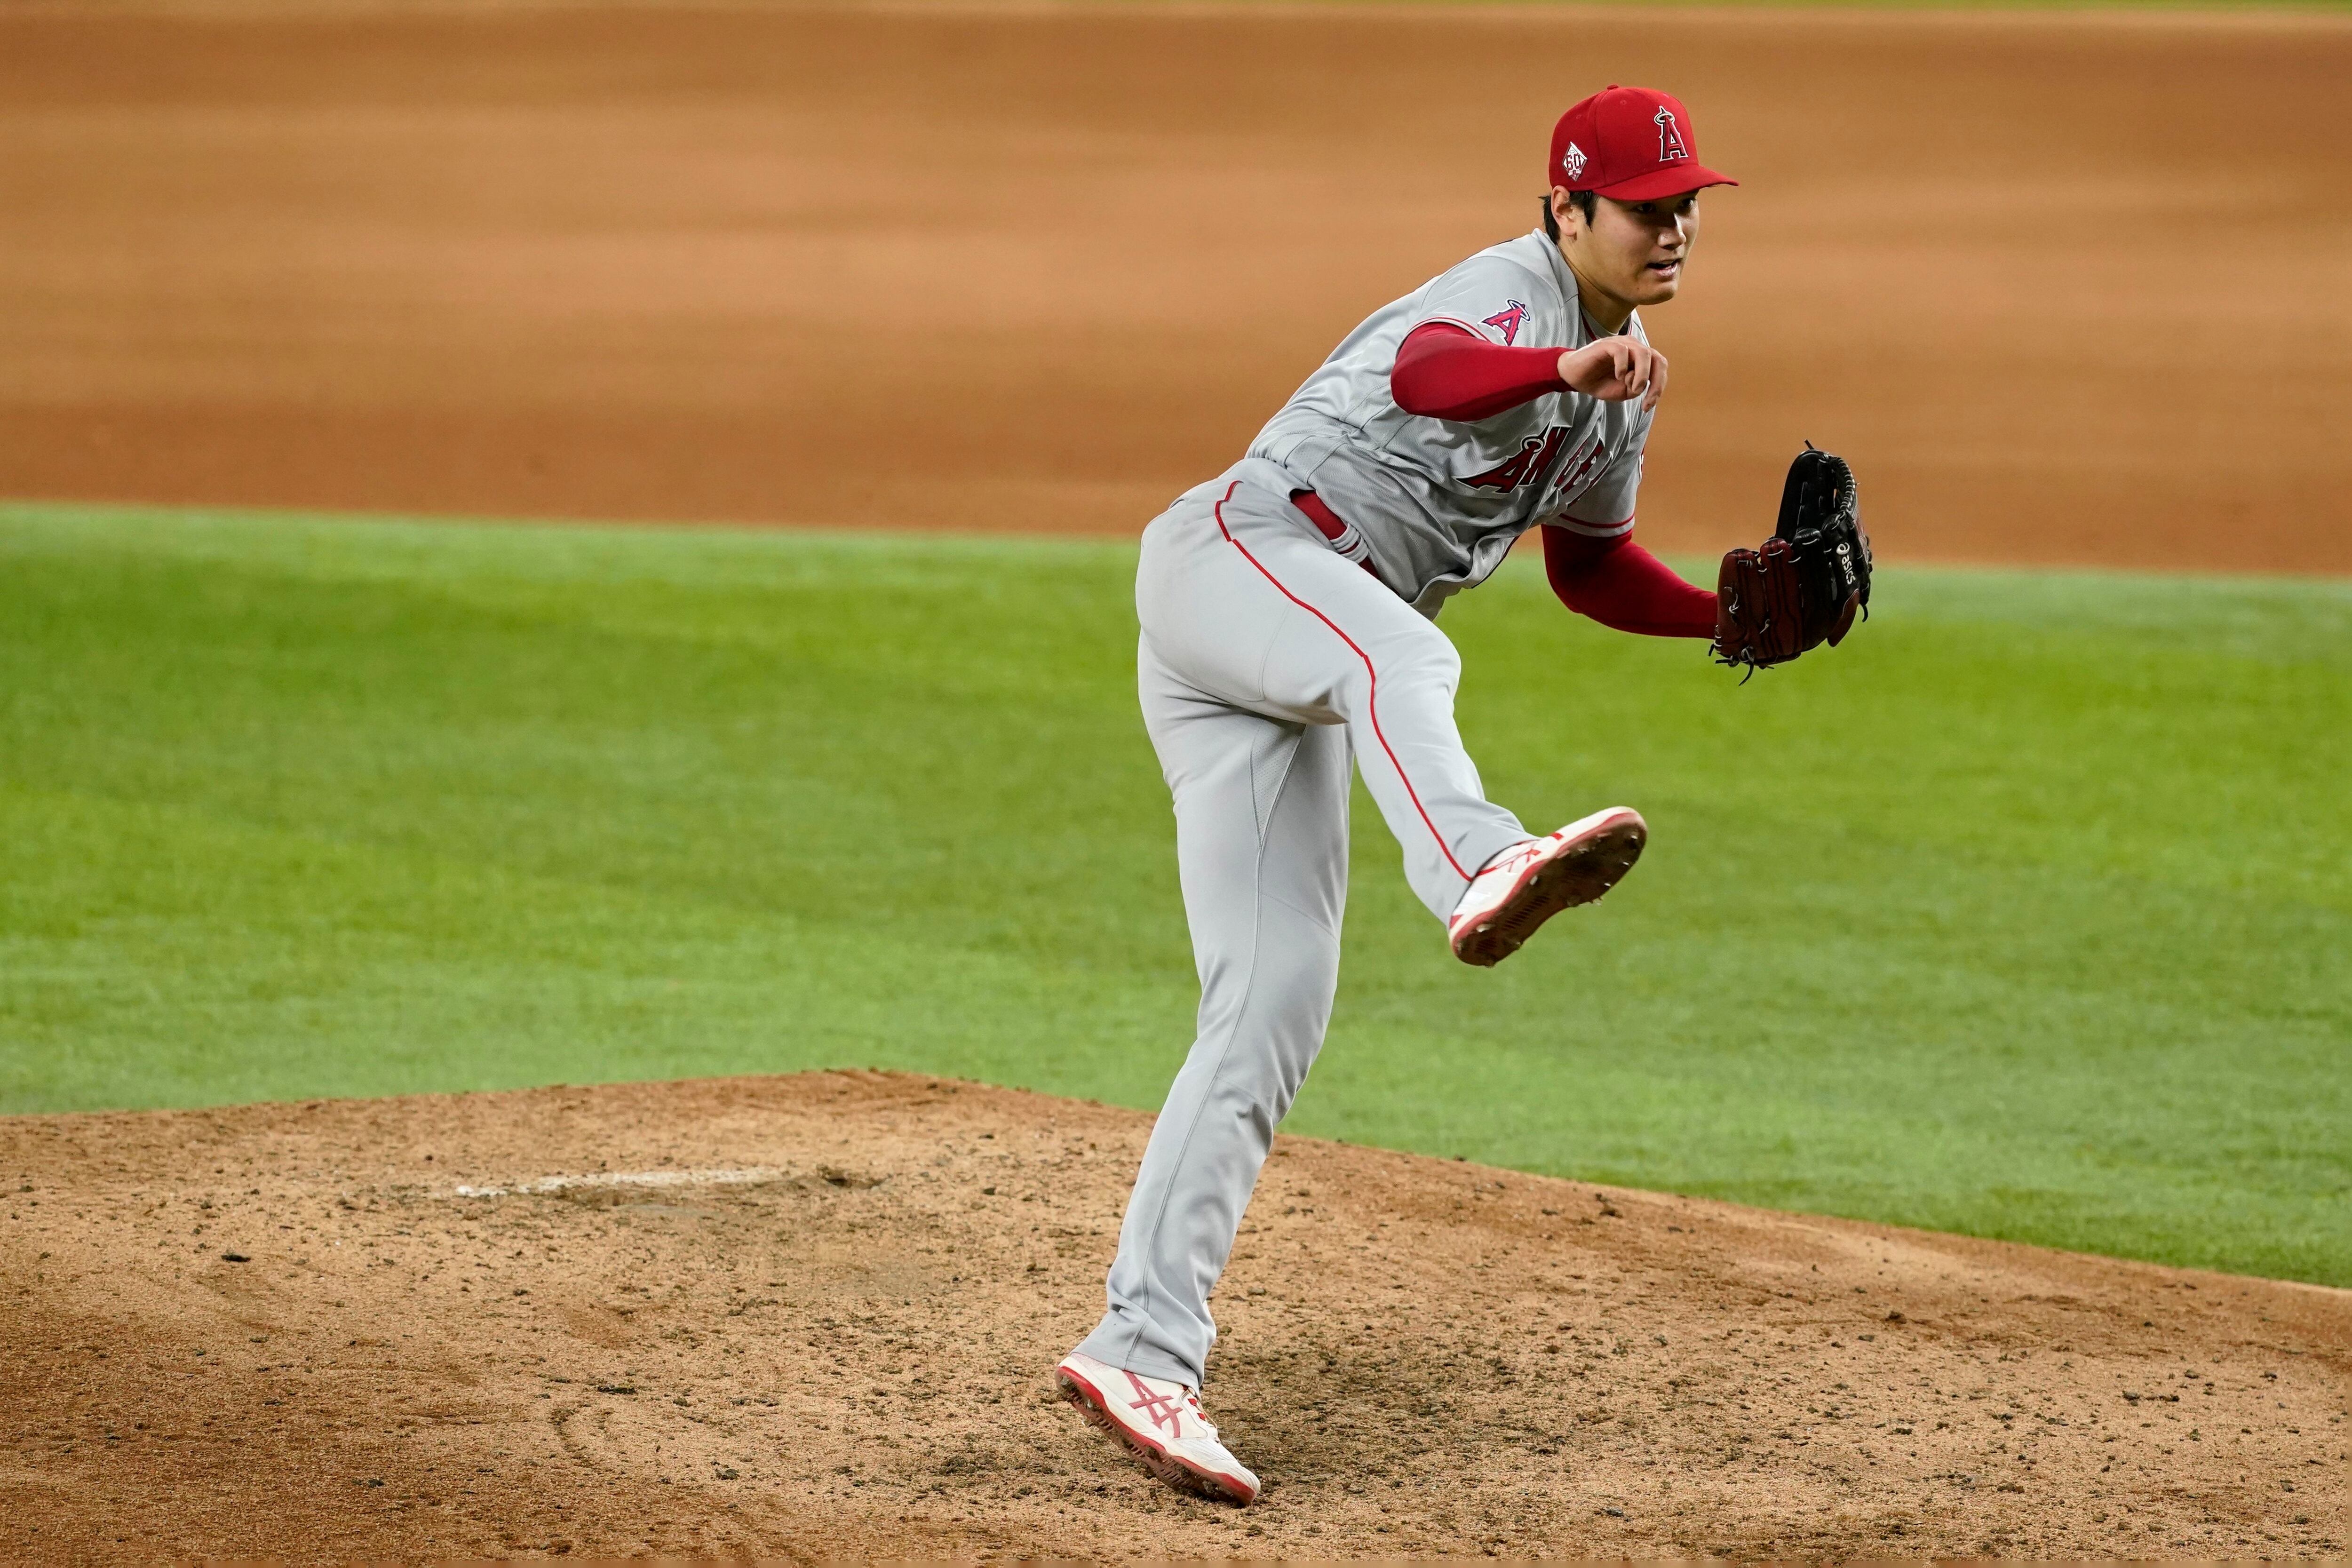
(1529, 883)
(1160, 1424)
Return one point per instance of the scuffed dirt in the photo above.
(814, 1315)
(2064, 287)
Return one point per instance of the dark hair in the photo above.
(1583, 201)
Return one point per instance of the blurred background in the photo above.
(2026, 912)
(2069, 287)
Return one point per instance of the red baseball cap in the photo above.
(1630, 144)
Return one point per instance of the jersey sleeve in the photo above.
(1494, 298)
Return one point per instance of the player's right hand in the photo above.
(1615, 370)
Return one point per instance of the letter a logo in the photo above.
(1506, 321)
(1670, 137)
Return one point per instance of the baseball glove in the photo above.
(1805, 586)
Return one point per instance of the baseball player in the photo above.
(1289, 611)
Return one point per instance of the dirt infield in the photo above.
(2067, 289)
(814, 1315)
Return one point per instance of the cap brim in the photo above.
(1659, 183)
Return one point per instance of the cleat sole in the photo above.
(1579, 873)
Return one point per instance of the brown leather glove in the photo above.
(1811, 579)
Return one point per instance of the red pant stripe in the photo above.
(1373, 700)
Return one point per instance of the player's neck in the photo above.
(1607, 313)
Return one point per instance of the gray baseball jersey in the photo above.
(1438, 501)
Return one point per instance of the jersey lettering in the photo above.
(1524, 466)
(1670, 137)
(1580, 469)
(1506, 321)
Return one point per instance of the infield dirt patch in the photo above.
(2065, 288)
(814, 1316)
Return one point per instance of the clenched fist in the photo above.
(1615, 370)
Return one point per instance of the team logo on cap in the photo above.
(1670, 137)
(1572, 160)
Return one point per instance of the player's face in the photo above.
(1634, 250)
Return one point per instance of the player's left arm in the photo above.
(1610, 579)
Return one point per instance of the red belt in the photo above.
(1325, 520)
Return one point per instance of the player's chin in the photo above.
(1660, 283)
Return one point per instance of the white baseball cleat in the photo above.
(1529, 883)
(1160, 1424)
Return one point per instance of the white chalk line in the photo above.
(721, 1178)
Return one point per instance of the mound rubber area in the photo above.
(819, 1314)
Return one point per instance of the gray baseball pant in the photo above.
(1268, 663)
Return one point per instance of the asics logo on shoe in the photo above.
(1161, 1409)
(1183, 1451)
(1506, 864)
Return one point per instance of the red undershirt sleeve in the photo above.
(1617, 583)
(1446, 373)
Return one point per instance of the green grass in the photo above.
(2027, 914)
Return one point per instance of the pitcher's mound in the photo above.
(815, 1316)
